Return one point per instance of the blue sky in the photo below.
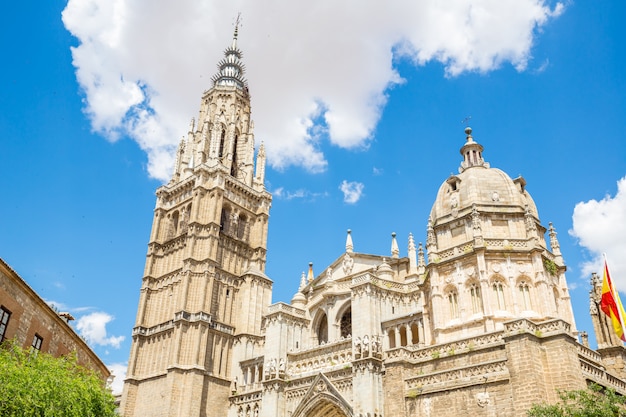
(371, 96)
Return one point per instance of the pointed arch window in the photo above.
(498, 291)
(525, 295)
(220, 152)
(453, 304)
(477, 301)
(224, 220)
(241, 227)
(345, 325)
(322, 330)
(234, 167)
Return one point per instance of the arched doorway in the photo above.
(323, 405)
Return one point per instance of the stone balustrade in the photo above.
(599, 375)
(335, 354)
(283, 307)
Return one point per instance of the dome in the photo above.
(477, 184)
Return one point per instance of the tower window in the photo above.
(234, 167)
(477, 302)
(174, 229)
(499, 293)
(525, 293)
(223, 220)
(241, 227)
(220, 152)
(453, 301)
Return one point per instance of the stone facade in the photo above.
(27, 318)
(478, 322)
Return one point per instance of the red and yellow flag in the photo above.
(611, 305)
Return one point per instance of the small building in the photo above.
(26, 317)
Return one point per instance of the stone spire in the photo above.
(412, 256)
(431, 241)
(349, 245)
(554, 244)
(395, 251)
(231, 69)
(421, 260)
(260, 165)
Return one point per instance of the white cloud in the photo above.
(352, 191)
(118, 371)
(600, 227)
(283, 194)
(143, 64)
(92, 327)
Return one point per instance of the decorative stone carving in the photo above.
(348, 264)
(482, 399)
(357, 347)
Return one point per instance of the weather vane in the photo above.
(466, 121)
(238, 20)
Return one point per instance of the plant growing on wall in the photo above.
(550, 267)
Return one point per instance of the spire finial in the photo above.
(395, 251)
(349, 245)
(302, 282)
(310, 276)
(468, 129)
(237, 23)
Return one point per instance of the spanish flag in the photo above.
(611, 305)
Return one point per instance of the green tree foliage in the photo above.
(592, 402)
(40, 385)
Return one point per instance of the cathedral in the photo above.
(477, 322)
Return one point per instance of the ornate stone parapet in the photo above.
(456, 378)
(415, 354)
(543, 329)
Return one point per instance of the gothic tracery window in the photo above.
(235, 162)
(498, 291)
(220, 152)
(525, 295)
(453, 303)
(322, 330)
(477, 302)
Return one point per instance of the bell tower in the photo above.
(203, 287)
